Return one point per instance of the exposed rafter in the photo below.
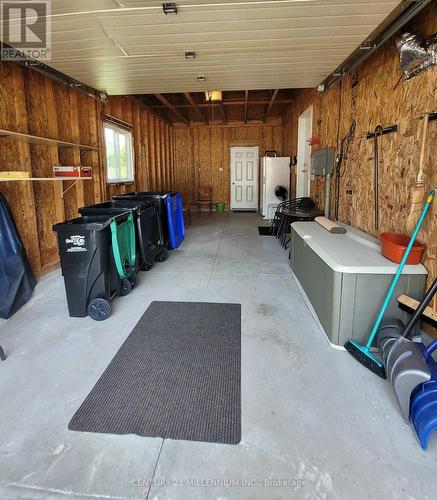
(172, 108)
(194, 105)
(140, 100)
(246, 98)
(236, 102)
(272, 101)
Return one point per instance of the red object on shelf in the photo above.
(76, 171)
(393, 246)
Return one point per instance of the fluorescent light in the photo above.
(213, 95)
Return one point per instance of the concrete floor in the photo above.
(315, 424)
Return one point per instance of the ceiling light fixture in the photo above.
(190, 54)
(213, 95)
(169, 8)
(201, 79)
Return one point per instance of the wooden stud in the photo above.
(246, 98)
(157, 140)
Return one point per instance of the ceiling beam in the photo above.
(172, 108)
(222, 112)
(272, 101)
(239, 102)
(246, 97)
(140, 102)
(194, 105)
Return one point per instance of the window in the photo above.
(119, 156)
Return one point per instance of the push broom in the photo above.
(417, 195)
(362, 353)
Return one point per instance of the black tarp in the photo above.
(16, 278)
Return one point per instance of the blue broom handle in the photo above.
(400, 269)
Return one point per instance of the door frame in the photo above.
(257, 174)
(305, 119)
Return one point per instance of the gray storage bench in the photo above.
(345, 279)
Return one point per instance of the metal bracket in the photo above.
(385, 130)
(61, 148)
(69, 187)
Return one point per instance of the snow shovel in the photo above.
(389, 331)
(423, 409)
(405, 365)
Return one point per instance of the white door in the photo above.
(244, 178)
(303, 168)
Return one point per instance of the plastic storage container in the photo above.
(88, 265)
(393, 246)
(150, 244)
(171, 213)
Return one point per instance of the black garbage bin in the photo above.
(150, 244)
(160, 199)
(88, 266)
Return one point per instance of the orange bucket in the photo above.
(393, 246)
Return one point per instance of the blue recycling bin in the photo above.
(170, 207)
(176, 228)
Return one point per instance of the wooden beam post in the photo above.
(272, 101)
(172, 108)
(222, 112)
(194, 105)
(246, 98)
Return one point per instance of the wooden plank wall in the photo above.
(201, 150)
(31, 103)
(381, 98)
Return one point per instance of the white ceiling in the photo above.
(132, 47)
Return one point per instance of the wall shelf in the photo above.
(34, 139)
(15, 179)
(74, 179)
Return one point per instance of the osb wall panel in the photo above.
(16, 156)
(201, 151)
(33, 104)
(381, 99)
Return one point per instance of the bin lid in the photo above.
(114, 207)
(96, 222)
(142, 195)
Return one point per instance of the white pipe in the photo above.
(327, 194)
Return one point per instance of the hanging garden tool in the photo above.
(362, 353)
(379, 130)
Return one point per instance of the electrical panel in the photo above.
(322, 162)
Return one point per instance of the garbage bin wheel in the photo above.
(162, 255)
(125, 287)
(147, 266)
(133, 281)
(99, 309)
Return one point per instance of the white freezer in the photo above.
(275, 171)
